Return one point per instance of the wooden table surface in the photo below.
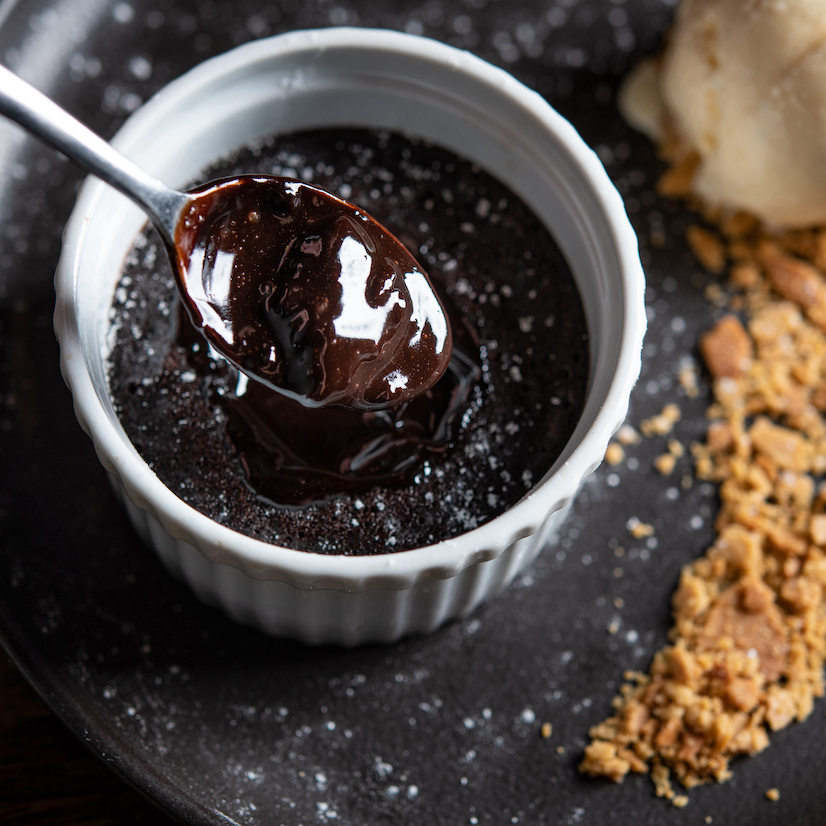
(48, 777)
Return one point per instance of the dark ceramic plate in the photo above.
(219, 724)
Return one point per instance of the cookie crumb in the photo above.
(626, 435)
(675, 448)
(714, 295)
(546, 730)
(560, 749)
(680, 801)
(708, 248)
(663, 423)
(614, 455)
(638, 529)
(726, 348)
(773, 794)
(665, 463)
(687, 377)
(676, 181)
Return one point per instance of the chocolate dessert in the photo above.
(352, 481)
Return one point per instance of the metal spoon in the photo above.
(295, 287)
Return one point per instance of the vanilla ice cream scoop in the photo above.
(744, 82)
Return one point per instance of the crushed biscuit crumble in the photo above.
(687, 378)
(626, 435)
(614, 455)
(666, 463)
(748, 644)
(663, 423)
(639, 530)
(708, 248)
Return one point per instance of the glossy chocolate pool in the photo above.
(345, 481)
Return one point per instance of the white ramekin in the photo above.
(382, 79)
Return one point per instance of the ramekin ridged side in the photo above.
(372, 78)
(331, 615)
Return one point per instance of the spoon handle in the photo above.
(39, 115)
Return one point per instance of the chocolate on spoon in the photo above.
(297, 288)
(308, 294)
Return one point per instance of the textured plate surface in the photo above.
(219, 724)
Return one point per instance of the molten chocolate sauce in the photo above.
(308, 294)
(294, 455)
